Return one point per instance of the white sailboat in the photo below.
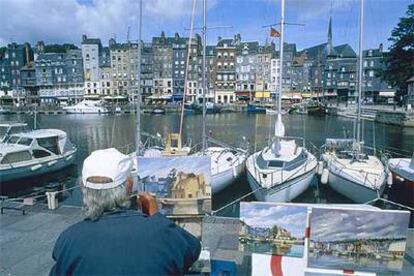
(227, 163)
(283, 170)
(349, 171)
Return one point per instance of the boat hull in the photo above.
(285, 192)
(49, 166)
(352, 190)
(222, 180)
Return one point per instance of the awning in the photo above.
(243, 93)
(387, 93)
(263, 94)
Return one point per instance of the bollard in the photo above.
(52, 201)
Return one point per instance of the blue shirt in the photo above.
(125, 242)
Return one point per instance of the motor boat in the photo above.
(7, 129)
(35, 153)
(86, 107)
(350, 172)
(281, 171)
(255, 109)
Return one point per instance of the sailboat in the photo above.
(282, 170)
(348, 170)
(227, 163)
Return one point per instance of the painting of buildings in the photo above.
(372, 241)
(272, 228)
(180, 184)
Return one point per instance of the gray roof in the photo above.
(227, 41)
(345, 50)
(411, 79)
(91, 41)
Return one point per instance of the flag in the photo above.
(274, 32)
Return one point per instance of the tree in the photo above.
(59, 48)
(399, 62)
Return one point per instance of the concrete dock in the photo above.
(27, 241)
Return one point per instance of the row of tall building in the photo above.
(236, 71)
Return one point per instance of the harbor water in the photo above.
(92, 132)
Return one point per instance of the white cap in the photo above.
(109, 163)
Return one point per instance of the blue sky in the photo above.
(162, 166)
(66, 20)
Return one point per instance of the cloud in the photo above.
(292, 218)
(66, 21)
(347, 224)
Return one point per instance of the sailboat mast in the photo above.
(361, 31)
(282, 33)
(138, 100)
(204, 77)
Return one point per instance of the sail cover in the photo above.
(279, 127)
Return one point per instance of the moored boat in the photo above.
(255, 109)
(358, 176)
(86, 107)
(35, 153)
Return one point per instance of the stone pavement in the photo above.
(27, 241)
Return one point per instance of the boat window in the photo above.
(40, 153)
(3, 132)
(261, 162)
(25, 141)
(13, 139)
(14, 157)
(49, 143)
(276, 163)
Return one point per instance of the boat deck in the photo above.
(27, 241)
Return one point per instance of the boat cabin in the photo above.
(291, 156)
(33, 145)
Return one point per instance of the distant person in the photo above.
(115, 240)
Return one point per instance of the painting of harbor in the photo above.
(180, 184)
(372, 241)
(272, 228)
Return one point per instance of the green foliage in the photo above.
(59, 48)
(399, 62)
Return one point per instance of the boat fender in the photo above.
(51, 163)
(389, 179)
(234, 169)
(325, 176)
(35, 167)
(320, 168)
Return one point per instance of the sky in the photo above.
(162, 166)
(329, 225)
(292, 218)
(59, 21)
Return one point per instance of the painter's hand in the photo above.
(147, 203)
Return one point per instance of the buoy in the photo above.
(389, 179)
(320, 168)
(325, 176)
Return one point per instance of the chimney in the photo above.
(84, 37)
(219, 38)
(176, 36)
(381, 47)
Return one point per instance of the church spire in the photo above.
(330, 31)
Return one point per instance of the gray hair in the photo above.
(98, 201)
